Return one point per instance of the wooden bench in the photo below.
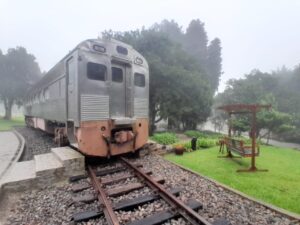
(237, 146)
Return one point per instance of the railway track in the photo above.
(109, 183)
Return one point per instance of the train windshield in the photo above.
(96, 71)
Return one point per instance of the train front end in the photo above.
(113, 97)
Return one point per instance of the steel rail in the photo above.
(105, 203)
(183, 209)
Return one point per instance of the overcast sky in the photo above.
(262, 34)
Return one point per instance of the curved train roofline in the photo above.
(110, 46)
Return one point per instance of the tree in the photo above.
(172, 30)
(214, 63)
(218, 117)
(273, 121)
(181, 84)
(18, 71)
(196, 42)
(179, 92)
(282, 92)
(251, 89)
(240, 123)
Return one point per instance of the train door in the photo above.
(118, 90)
(71, 98)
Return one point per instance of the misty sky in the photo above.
(262, 34)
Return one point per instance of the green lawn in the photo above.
(8, 124)
(280, 186)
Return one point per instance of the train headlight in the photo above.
(138, 60)
(99, 48)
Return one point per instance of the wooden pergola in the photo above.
(231, 143)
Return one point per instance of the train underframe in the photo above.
(97, 138)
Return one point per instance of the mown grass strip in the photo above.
(280, 186)
(6, 125)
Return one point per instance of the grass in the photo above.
(280, 186)
(8, 124)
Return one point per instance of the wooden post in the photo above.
(229, 125)
(243, 108)
(253, 137)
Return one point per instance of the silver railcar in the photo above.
(96, 98)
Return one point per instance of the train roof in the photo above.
(110, 47)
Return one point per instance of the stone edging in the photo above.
(22, 145)
(284, 212)
(18, 153)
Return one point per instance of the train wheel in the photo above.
(135, 154)
(60, 138)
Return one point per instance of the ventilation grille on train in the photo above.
(141, 107)
(94, 107)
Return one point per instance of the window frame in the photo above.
(98, 64)
(112, 74)
(134, 79)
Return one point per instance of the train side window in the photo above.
(96, 71)
(59, 88)
(117, 74)
(46, 93)
(54, 90)
(139, 80)
(41, 94)
(62, 87)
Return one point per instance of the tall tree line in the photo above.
(279, 88)
(184, 70)
(18, 71)
(194, 42)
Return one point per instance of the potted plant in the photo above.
(179, 149)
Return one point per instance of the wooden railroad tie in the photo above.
(126, 204)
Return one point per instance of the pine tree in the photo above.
(196, 41)
(214, 63)
(172, 30)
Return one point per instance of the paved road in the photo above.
(283, 144)
(9, 145)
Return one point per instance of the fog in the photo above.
(254, 34)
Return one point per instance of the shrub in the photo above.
(212, 134)
(165, 138)
(291, 136)
(206, 142)
(202, 134)
(201, 143)
(193, 133)
(187, 145)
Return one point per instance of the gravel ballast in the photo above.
(50, 206)
(218, 203)
(37, 142)
(55, 205)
